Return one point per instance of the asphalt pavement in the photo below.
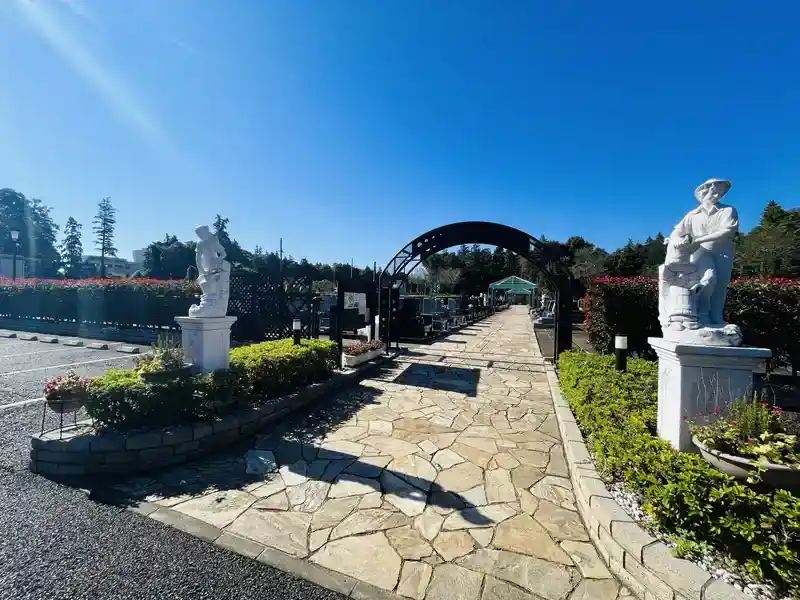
(56, 543)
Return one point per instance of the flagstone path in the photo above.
(442, 477)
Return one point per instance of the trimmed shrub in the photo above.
(118, 302)
(622, 305)
(122, 400)
(767, 310)
(686, 497)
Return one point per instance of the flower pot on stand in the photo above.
(776, 476)
(66, 402)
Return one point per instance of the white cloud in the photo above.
(114, 90)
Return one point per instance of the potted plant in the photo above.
(67, 393)
(164, 361)
(750, 443)
(361, 353)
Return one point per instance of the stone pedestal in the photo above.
(694, 378)
(206, 342)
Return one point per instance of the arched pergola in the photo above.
(546, 257)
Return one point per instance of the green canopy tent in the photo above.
(513, 285)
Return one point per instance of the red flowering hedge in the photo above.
(116, 302)
(767, 310)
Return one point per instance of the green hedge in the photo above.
(767, 310)
(122, 400)
(685, 496)
(117, 302)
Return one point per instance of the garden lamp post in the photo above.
(621, 352)
(297, 326)
(14, 238)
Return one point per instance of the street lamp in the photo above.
(14, 238)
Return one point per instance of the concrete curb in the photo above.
(71, 454)
(640, 561)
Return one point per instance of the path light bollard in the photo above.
(621, 352)
(297, 326)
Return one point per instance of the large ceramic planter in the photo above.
(352, 361)
(162, 376)
(777, 476)
(66, 402)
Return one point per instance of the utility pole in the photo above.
(280, 255)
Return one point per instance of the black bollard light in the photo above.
(297, 327)
(621, 352)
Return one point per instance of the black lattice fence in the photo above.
(297, 299)
(265, 305)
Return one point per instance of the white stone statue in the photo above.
(693, 281)
(214, 276)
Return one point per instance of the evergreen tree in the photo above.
(71, 249)
(103, 229)
(37, 232)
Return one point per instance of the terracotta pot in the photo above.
(162, 376)
(777, 476)
(66, 402)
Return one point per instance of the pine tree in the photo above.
(71, 248)
(103, 229)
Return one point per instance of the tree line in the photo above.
(771, 248)
(38, 234)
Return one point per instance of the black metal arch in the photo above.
(546, 257)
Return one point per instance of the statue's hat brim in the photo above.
(723, 184)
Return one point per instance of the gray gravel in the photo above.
(26, 366)
(56, 543)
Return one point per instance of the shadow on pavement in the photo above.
(297, 447)
(441, 377)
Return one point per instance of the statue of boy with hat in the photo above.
(712, 226)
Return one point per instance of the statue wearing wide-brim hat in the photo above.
(722, 187)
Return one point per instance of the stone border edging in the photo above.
(346, 585)
(117, 453)
(641, 562)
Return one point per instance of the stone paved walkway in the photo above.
(441, 478)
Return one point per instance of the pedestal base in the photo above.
(694, 378)
(206, 342)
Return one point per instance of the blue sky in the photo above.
(348, 127)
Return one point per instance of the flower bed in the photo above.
(140, 425)
(686, 499)
(361, 353)
(124, 400)
(752, 429)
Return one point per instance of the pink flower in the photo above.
(778, 410)
(58, 378)
(717, 411)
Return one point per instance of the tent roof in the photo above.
(514, 284)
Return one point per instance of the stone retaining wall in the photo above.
(640, 561)
(77, 455)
